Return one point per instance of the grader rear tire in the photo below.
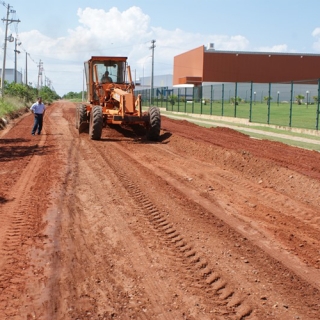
(82, 113)
(83, 118)
(153, 130)
(96, 123)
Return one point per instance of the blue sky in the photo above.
(63, 34)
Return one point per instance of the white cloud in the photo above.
(316, 35)
(115, 33)
(316, 32)
(233, 43)
(275, 48)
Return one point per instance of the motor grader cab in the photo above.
(111, 99)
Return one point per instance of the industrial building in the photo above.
(207, 65)
(10, 75)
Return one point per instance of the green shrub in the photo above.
(17, 97)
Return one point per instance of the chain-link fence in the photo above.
(283, 104)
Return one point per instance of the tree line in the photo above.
(29, 94)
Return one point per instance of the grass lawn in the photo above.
(280, 114)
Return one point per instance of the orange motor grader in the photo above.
(111, 99)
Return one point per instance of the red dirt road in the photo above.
(204, 224)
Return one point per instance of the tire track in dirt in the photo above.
(17, 227)
(284, 214)
(311, 275)
(130, 243)
(154, 169)
(214, 284)
(275, 200)
(98, 218)
(222, 295)
(261, 196)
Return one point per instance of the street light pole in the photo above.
(307, 92)
(278, 97)
(152, 47)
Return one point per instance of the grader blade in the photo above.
(84, 127)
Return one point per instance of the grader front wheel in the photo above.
(96, 123)
(153, 130)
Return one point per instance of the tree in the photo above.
(235, 100)
(299, 98)
(267, 99)
(48, 96)
(173, 98)
(73, 95)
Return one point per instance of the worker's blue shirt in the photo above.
(38, 107)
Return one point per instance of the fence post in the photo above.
(156, 97)
(291, 101)
(235, 99)
(193, 99)
(318, 110)
(250, 108)
(222, 99)
(148, 94)
(269, 97)
(211, 96)
(185, 99)
(200, 88)
(167, 100)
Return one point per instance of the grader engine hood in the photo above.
(125, 99)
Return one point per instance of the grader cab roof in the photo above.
(104, 58)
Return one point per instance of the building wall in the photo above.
(9, 75)
(188, 66)
(226, 66)
(158, 81)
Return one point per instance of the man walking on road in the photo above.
(38, 109)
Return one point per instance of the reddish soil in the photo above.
(204, 224)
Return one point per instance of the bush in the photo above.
(18, 97)
(29, 94)
(173, 99)
(10, 107)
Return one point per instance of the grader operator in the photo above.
(111, 99)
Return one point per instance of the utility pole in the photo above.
(26, 68)
(40, 75)
(83, 80)
(8, 21)
(152, 48)
(15, 59)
